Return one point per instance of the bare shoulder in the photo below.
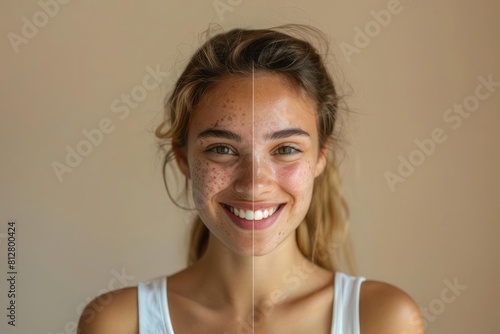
(385, 308)
(111, 312)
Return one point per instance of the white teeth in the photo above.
(253, 215)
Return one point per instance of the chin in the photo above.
(256, 247)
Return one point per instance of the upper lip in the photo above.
(252, 205)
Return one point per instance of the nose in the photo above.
(254, 177)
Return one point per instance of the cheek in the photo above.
(207, 180)
(297, 177)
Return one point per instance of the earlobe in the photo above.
(182, 161)
(321, 163)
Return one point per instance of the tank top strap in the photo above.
(346, 304)
(154, 316)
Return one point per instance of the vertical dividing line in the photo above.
(253, 198)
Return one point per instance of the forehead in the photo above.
(249, 104)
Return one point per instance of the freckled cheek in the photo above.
(208, 179)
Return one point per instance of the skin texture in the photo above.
(253, 170)
(277, 290)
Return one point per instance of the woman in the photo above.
(251, 124)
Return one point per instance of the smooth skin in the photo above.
(255, 142)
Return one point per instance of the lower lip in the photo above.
(254, 224)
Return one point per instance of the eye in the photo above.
(286, 150)
(221, 149)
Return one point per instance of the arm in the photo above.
(389, 310)
(112, 312)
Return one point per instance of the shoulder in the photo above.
(384, 308)
(112, 312)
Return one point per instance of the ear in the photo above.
(321, 163)
(181, 158)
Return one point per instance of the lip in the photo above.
(252, 205)
(253, 224)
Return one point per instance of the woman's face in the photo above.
(252, 155)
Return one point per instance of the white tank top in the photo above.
(154, 317)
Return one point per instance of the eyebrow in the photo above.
(286, 133)
(216, 133)
(226, 134)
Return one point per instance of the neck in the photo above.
(247, 283)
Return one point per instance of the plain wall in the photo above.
(110, 216)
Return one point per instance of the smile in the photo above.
(253, 215)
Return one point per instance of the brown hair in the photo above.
(322, 236)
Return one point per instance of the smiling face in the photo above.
(252, 155)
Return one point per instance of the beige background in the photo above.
(111, 213)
